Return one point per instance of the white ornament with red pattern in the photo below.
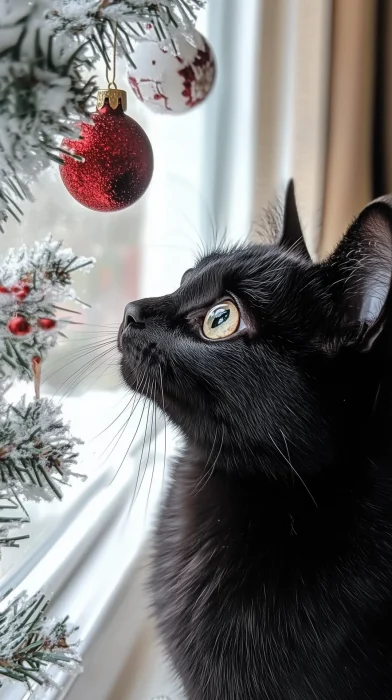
(170, 83)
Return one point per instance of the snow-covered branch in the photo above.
(37, 450)
(30, 642)
(34, 284)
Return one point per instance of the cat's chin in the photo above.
(141, 372)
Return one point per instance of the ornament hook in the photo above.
(112, 82)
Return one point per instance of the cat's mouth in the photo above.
(141, 360)
(120, 339)
(127, 339)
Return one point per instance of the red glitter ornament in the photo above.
(117, 160)
(46, 324)
(4, 290)
(19, 325)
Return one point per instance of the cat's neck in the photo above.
(273, 501)
(277, 470)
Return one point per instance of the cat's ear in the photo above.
(360, 271)
(292, 237)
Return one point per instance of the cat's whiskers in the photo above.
(136, 489)
(133, 398)
(186, 378)
(121, 431)
(164, 419)
(152, 408)
(79, 375)
(288, 460)
(81, 352)
(155, 447)
(104, 373)
(376, 398)
(135, 433)
(293, 247)
(206, 465)
(207, 476)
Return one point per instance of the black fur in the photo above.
(273, 552)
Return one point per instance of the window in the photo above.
(202, 183)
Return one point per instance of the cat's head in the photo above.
(260, 351)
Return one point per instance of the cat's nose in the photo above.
(132, 316)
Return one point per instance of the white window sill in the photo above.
(91, 554)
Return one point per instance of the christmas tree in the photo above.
(48, 49)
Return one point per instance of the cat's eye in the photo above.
(221, 321)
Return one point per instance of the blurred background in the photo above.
(303, 90)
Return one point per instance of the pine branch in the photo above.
(12, 516)
(43, 96)
(30, 643)
(81, 16)
(37, 450)
(33, 283)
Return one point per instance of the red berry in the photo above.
(21, 291)
(4, 290)
(46, 324)
(19, 325)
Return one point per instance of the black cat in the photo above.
(273, 552)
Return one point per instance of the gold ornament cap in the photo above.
(115, 97)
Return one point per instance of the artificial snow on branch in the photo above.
(96, 19)
(34, 283)
(37, 450)
(29, 642)
(47, 53)
(12, 515)
(44, 93)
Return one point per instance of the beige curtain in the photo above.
(325, 110)
(387, 88)
(348, 177)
